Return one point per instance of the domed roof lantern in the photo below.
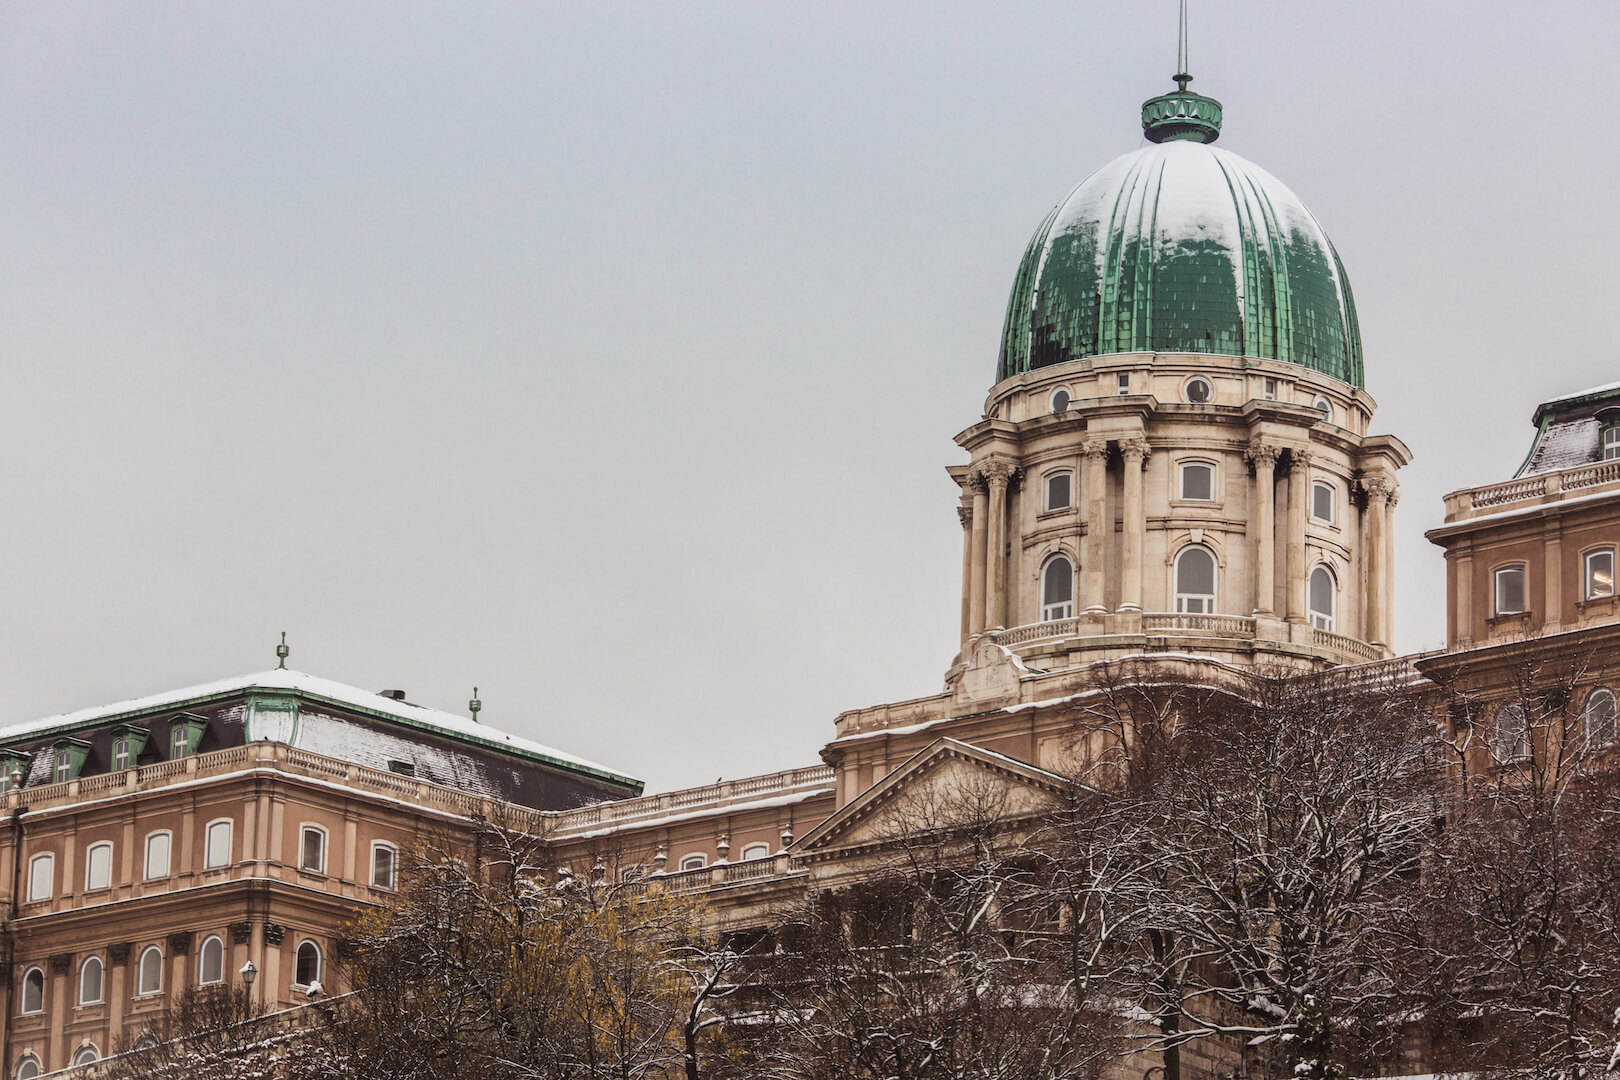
(1181, 114)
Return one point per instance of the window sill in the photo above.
(1597, 603)
(1207, 504)
(1509, 619)
(1057, 513)
(307, 872)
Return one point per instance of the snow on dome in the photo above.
(1182, 247)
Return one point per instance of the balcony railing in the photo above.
(651, 807)
(1162, 623)
(1540, 486)
(1343, 643)
(1224, 625)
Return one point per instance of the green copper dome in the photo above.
(1182, 247)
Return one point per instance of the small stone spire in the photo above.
(282, 652)
(1181, 115)
(474, 705)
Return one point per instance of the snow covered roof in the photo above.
(1569, 430)
(404, 713)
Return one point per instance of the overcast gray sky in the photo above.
(608, 357)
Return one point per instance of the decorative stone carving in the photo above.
(1263, 453)
(1376, 487)
(660, 859)
(61, 963)
(274, 933)
(988, 676)
(964, 514)
(1094, 448)
(995, 472)
(722, 847)
(119, 953)
(241, 933)
(1137, 450)
(179, 944)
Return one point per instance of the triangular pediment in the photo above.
(946, 785)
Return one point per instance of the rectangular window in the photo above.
(179, 742)
(382, 866)
(157, 856)
(120, 755)
(1510, 590)
(1198, 482)
(1124, 383)
(1322, 501)
(1611, 442)
(1059, 491)
(219, 845)
(1599, 574)
(1271, 389)
(41, 877)
(64, 766)
(98, 868)
(312, 851)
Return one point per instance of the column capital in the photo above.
(1378, 488)
(1263, 453)
(996, 472)
(1299, 457)
(1136, 449)
(964, 514)
(1094, 448)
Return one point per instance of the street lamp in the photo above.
(249, 973)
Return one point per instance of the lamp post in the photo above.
(249, 973)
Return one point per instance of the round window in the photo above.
(1060, 401)
(1324, 407)
(1199, 391)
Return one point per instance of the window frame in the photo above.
(89, 866)
(1586, 573)
(1322, 620)
(61, 765)
(1522, 752)
(1181, 597)
(202, 961)
(101, 981)
(1122, 384)
(1186, 390)
(761, 846)
(141, 990)
(1268, 388)
(1317, 487)
(393, 865)
(1609, 440)
(22, 993)
(1592, 697)
(702, 862)
(123, 758)
(47, 858)
(1052, 612)
(167, 836)
(23, 1063)
(208, 843)
(304, 830)
(79, 1058)
(1047, 505)
(1524, 589)
(1323, 406)
(1181, 480)
(1052, 400)
(320, 963)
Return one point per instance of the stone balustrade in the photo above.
(1542, 487)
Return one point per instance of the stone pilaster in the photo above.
(1263, 456)
(964, 514)
(1136, 453)
(1097, 527)
(1295, 607)
(980, 536)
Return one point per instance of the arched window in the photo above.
(86, 1056)
(1195, 581)
(28, 1068)
(217, 850)
(756, 851)
(1600, 717)
(149, 974)
(211, 961)
(41, 877)
(1324, 595)
(1057, 590)
(308, 969)
(157, 855)
(1510, 592)
(1325, 407)
(98, 867)
(1197, 481)
(90, 981)
(33, 991)
(1510, 738)
(312, 849)
(1599, 573)
(383, 860)
(1059, 490)
(694, 862)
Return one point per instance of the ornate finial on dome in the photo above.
(1182, 114)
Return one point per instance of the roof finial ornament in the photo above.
(1181, 115)
(281, 652)
(474, 705)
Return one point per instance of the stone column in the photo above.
(1097, 529)
(1378, 492)
(964, 514)
(995, 615)
(1264, 458)
(1135, 452)
(1299, 495)
(1463, 627)
(981, 521)
(1389, 565)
